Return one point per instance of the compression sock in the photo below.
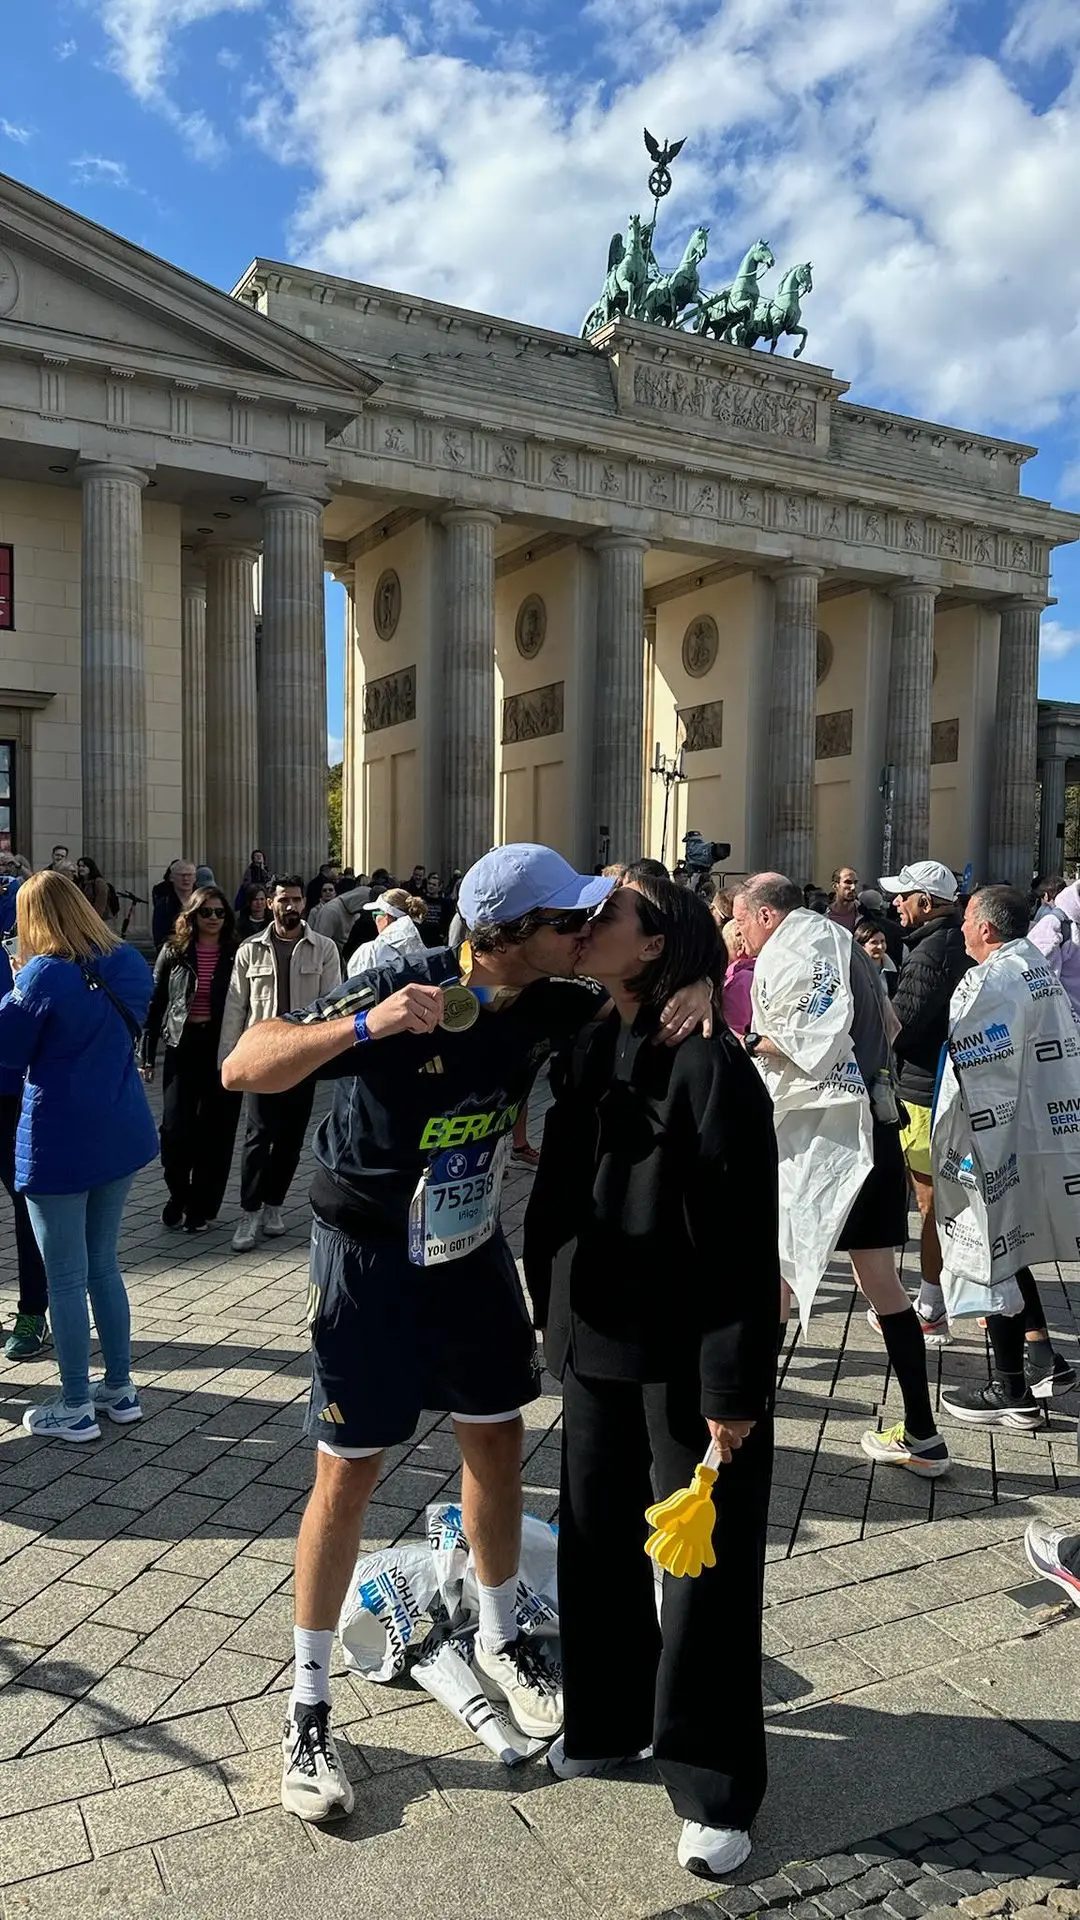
(906, 1348)
(1006, 1333)
(1034, 1317)
(311, 1683)
(498, 1615)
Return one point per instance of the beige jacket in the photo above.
(314, 968)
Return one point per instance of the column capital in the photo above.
(229, 550)
(469, 517)
(905, 589)
(625, 542)
(284, 501)
(797, 570)
(111, 470)
(1024, 603)
(344, 572)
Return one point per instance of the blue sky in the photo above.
(925, 155)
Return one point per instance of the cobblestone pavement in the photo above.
(921, 1685)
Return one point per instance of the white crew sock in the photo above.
(498, 1615)
(931, 1301)
(311, 1684)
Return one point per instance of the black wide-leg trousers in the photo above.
(689, 1683)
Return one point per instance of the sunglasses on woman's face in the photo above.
(211, 913)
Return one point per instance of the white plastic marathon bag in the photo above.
(803, 1002)
(1006, 1133)
(393, 1590)
(389, 1596)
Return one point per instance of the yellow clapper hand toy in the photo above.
(682, 1541)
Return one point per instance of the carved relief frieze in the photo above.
(729, 399)
(390, 701)
(944, 742)
(833, 734)
(532, 715)
(703, 726)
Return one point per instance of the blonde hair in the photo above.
(405, 902)
(55, 919)
(732, 939)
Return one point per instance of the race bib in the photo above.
(456, 1204)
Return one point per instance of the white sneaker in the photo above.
(712, 1852)
(272, 1222)
(519, 1677)
(313, 1783)
(57, 1421)
(120, 1403)
(566, 1769)
(247, 1232)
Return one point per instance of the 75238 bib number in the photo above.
(456, 1203)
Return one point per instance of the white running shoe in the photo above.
(272, 1222)
(57, 1421)
(892, 1448)
(120, 1403)
(712, 1852)
(519, 1677)
(313, 1783)
(566, 1769)
(247, 1232)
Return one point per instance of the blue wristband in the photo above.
(360, 1026)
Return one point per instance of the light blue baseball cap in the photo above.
(514, 880)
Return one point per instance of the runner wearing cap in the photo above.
(925, 897)
(414, 1300)
(397, 916)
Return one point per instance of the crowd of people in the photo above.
(798, 1065)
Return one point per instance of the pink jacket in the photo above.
(735, 998)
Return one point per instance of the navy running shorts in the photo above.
(389, 1339)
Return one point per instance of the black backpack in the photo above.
(114, 900)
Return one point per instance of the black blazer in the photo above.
(651, 1233)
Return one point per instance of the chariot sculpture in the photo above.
(635, 287)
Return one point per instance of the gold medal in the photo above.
(460, 1009)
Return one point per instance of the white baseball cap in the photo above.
(923, 876)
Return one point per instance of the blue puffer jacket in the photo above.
(84, 1118)
(9, 1082)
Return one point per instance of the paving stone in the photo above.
(165, 1746)
(80, 1660)
(775, 1891)
(33, 1782)
(240, 1588)
(30, 1845)
(185, 1640)
(125, 1884)
(222, 1678)
(203, 1553)
(24, 1714)
(804, 1876)
(124, 1698)
(837, 1901)
(901, 1872)
(233, 1849)
(903, 1904)
(28, 1573)
(147, 1601)
(175, 1803)
(52, 1614)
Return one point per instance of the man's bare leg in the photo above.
(329, 1537)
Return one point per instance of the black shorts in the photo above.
(879, 1213)
(389, 1339)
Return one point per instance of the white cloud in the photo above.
(1042, 28)
(1055, 641)
(94, 170)
(335, 747)
(10, 131)
(66, 48)
(142, 35)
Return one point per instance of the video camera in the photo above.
(701, 855)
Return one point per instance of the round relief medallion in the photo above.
(386, 605)
(824, 656)
(701, 644)
(531, 626)
(9, 283)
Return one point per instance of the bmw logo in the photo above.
(456, 1165)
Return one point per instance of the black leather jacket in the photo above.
(175, 981)
(935, 961)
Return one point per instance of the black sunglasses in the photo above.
(211, 913)
(574, 920)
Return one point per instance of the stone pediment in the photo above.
(723, 393)
(67, 286)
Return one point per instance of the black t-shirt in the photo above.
(400, 1101)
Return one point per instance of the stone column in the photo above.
(791, 724)
(619, 710)
(1051, 816)
(193, 712)
(468, 769)
(114, 785)
(232, 764)
(351, 854)
(292, 685)
(907, 730)
(1012, 792)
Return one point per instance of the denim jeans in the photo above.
(77, 1234)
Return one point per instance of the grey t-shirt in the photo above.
(283, 951)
